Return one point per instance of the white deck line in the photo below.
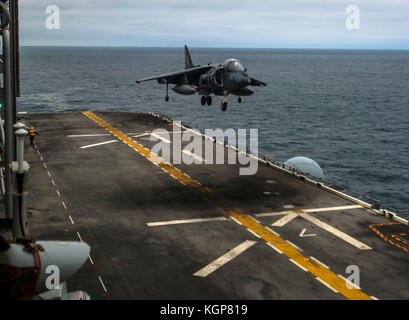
(173, 222)
(219, 262)
(88, 135)
(195, 156)
(335, 232)
(160, 138)
(284, 220)
(98, 144)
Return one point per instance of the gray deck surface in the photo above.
(111, 192)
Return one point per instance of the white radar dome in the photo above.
(304, 165)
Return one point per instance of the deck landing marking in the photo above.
(157, 136)
(88, 135)
(194, 156)
(372, 227)
(72, 223)
(216, 264)
(282, 213)
(286, 219)
(321, 272)
(98, 144)
(303, 235)
(335, 232)
(327, 285)
(169, 168)
(299, 266)
(173, 222)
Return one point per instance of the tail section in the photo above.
(188, 59)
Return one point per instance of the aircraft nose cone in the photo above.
(242, 80)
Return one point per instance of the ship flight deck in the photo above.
(159, 230)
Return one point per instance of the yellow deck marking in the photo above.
(148, 154)
(321, 272)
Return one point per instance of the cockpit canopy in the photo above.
(233, 65)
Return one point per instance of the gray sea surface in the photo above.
(346, 109)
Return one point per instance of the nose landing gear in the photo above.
(167, 92)
(224, 102)
(239, 100)
(223, 105)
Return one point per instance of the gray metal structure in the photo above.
(218, 79)
(23, 262)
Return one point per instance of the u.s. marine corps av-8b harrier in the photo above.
(218, 79)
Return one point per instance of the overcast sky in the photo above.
(384, 24)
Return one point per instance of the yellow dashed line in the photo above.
(386, 238)
(177, 174)
(320, 271)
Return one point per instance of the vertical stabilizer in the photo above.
(188, 59)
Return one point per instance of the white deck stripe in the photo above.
(281, 213)
(347, 282)
(102, 283)
(272, 231)
(195, 156)
(216, 264)
(286, 219)
(253, 233)
(327, 285)
(295, 246)
(173, 222)
(140, 135)
(87, 135)
(335, 232)
(319, 262)
(298, 265)
(98, 144)
(271, 246)
(160, 138)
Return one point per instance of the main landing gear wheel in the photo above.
(239, 100)
(209, 100)
(167, 98)
(224, 105)
(203, 100)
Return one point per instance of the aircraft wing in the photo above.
(178, 76)
(257, 83)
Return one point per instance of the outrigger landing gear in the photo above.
(239, 99)
(203, 100)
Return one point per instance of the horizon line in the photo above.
(207, 47)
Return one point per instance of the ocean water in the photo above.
(347, 110)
